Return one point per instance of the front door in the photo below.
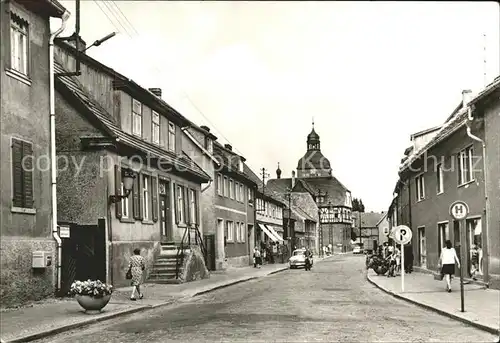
(164, 198)
(210, 244)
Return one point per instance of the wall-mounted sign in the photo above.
(64, 231)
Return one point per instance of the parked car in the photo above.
(298, 259)
(357, 250)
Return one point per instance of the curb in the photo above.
(480, 326)
(69, 327)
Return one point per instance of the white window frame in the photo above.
(242, 193)
(209, 145)
(19, 46)
(155, 128)
(125, 204)
(420, 187)
(226, 187)
(238, 232)
(220, 188)
(231, 188)
(466, 175)
(236, 191)
(243, 232)
(192, 205)
(145, 197)
(136, 118)
(439, 176)
(230, 230)
(171, 137)
(180, 204)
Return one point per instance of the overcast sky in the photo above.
(257, 73)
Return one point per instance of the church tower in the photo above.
(313, 163)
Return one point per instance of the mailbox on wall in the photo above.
(41, 259)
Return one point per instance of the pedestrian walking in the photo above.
(474, 261)
(447, 262)
(257, 257)
(136, 268)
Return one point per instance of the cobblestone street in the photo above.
(331, 303)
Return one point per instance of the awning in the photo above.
(273, 231)
(267, 232)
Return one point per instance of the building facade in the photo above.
(234, 220)
(452, 166)
(333, 199)
(25, 192)
(110, 129)
(366, 228)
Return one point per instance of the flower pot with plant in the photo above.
(92, 295)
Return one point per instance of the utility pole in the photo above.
(264, 174)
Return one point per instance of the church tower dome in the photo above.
(313, 163)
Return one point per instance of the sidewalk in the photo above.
(482, 306)
(53, 316)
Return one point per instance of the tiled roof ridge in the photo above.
(113, 129)
(436, 139)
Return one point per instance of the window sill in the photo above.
(18, 76)
(182, 225)
(465, 184)
(23, 210)
(127, 220)
(420, 200)
(439, 193)
(148, 222)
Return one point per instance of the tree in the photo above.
(357, 205)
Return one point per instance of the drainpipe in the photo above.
(485, 173)
(207, 186)
(53, 168)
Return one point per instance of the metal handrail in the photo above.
(180, 255)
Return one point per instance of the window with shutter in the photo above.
(136, 196)
(154, 198)
(22, 174)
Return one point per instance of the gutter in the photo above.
(487, 201)
(53, 168)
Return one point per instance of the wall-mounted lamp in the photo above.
(128, 184)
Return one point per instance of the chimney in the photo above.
(466, 97)
(293, 178)
(206, 128)
(155, 91)
(228, 147)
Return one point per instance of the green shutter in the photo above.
(28, 174)
(17, 173)
(154, 198)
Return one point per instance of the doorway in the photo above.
(165, 213)
(422, 247)
(83, 255)
(210, 245)
(250, 244)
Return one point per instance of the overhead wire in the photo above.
(124, 22)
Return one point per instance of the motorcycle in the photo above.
(378, 264)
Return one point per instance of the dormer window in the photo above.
(240, 166)
(321, 199)
(209, 145)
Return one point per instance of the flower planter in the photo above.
(90, 303)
